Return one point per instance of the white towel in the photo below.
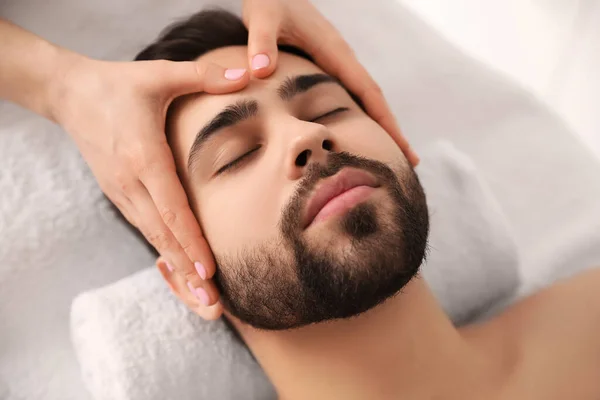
(135, 341)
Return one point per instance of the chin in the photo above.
(357, 225)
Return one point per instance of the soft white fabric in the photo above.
(473, 261)
(134, 341)
(57, 240)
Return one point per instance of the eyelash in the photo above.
(330, 113)
(235, 164)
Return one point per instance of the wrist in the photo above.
(58, 87)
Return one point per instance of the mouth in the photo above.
(337, 194)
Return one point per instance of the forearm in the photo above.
(32, 69)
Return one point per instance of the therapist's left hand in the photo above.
(299, 23)
(115, 112)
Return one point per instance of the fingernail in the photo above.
(234, 74)
(192, 288)
(169, 267)
(260, 61)
(202, 295)
(199, 293)
(201, 270)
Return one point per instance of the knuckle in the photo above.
(138, 161)
(161, 240)
(189, 239)
(262, 36)
(191, 276)
(144, 160)
(187, 246)
(124, 183)
(169, 217)
(200, 68)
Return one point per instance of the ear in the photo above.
(177, 284)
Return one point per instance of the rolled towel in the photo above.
(135, 341)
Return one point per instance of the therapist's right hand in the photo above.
(116, 112)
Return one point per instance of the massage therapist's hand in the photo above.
(116, 114)
(299, 23)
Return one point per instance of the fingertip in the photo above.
(205, 259)
(224, 80)
(415, 159)
(201, 269)
(206, 269)
(235, 74)
(213, 312)
(205, 292)
(262, 64)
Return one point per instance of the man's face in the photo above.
(310, 208)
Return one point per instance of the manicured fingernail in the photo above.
(169, 267)
(260, 61)
(201, 270)
(234, 74)
(192, 288)
(202, 295)
(199, 293)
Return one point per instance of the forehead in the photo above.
(237, 57)
(192, 111)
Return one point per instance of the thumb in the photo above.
(179, 78)
(263, 30)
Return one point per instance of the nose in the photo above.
(310, 144)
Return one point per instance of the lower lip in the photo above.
(343, 202)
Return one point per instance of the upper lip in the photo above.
(344, 180)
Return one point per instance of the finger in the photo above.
(122, 203)
(211, 313)
(206, 294)
(180, 78)
(337, 58)
(168, 195)
(263, 20)
(176, 282)
(159, 236)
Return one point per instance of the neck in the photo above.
(405, 347)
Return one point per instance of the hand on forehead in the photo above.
(194, 112)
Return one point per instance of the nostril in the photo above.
(327, 145)
(302, 158)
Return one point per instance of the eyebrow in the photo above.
(295, 85)
(232, 114)
(243, 110)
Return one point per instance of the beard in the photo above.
(353, 264)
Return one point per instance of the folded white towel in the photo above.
(135, 341)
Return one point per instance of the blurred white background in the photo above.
(551, 47)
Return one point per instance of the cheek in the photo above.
(363, 136)
(237, 213)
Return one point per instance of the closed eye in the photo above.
(330, 113)
(238, 162)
